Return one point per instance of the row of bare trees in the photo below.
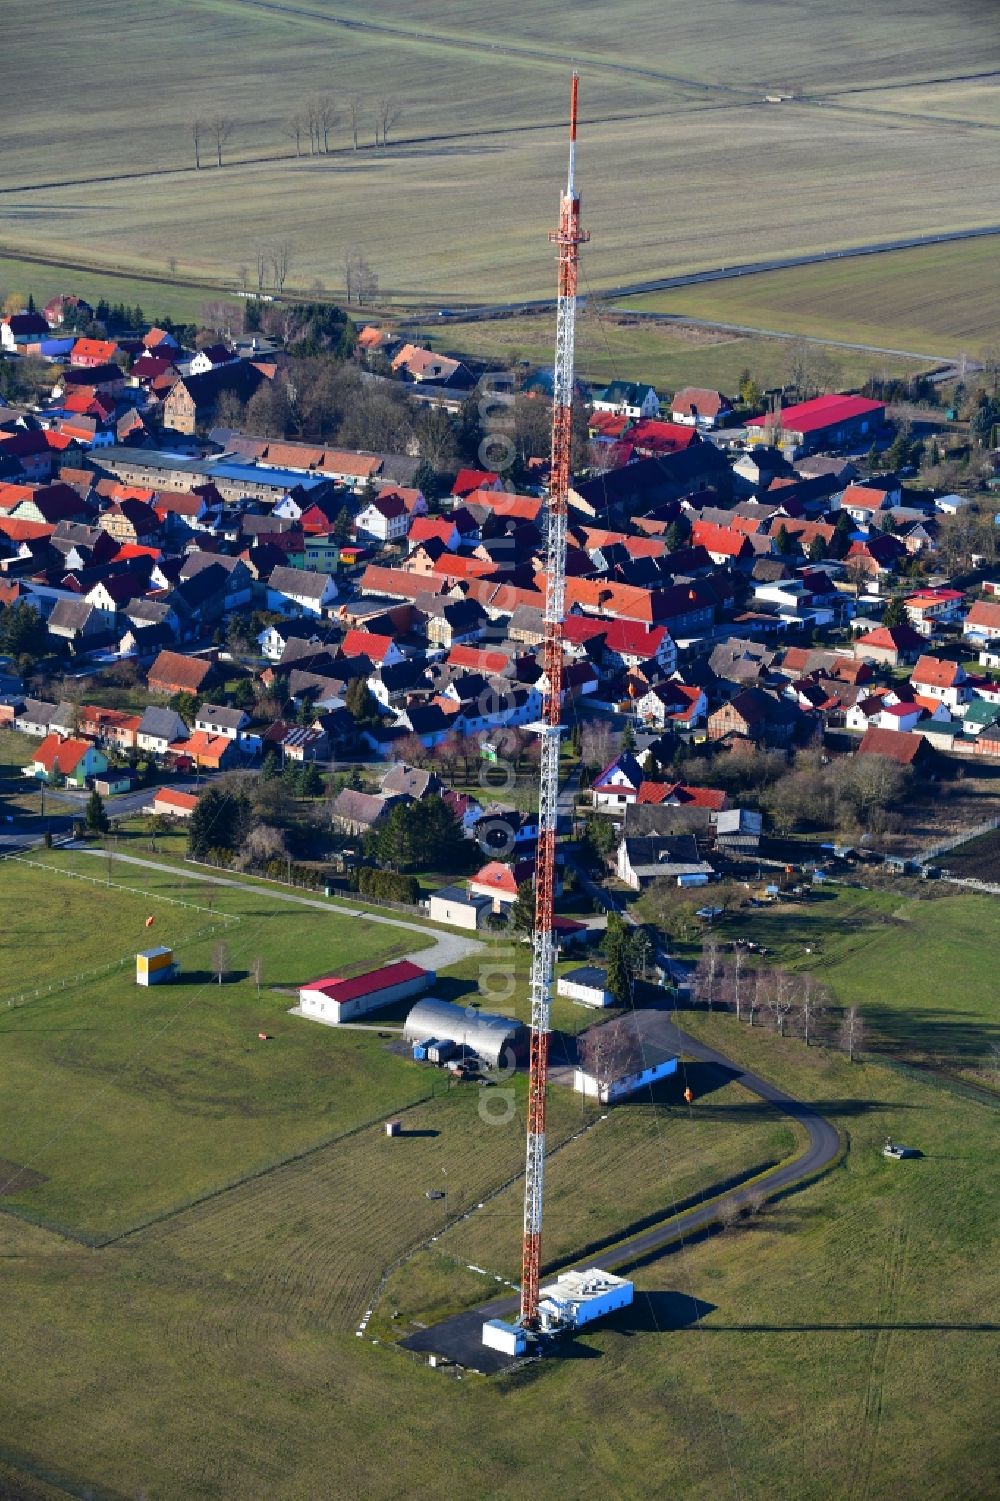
(786, 1000)
(316, 120)
(273, 261)
(319, 116)
(217, 132)
(311, 124)
(360, 281)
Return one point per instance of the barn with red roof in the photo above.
(825, 422)
(334, 1000)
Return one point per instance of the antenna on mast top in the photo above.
(573, 95)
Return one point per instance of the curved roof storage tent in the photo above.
(488, 1035)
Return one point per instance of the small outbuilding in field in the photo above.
(155, 966)
(587, 985)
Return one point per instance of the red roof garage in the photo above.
(334, 1000)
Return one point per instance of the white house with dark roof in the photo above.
(219, 719)
(159, 729)
(619, 783)
(384, 519)
(629, 399)
(296, 591)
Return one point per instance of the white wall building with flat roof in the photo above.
(511, 1339)
(586, 985)
(606, 1092)
(577, 1298)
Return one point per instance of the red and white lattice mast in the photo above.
(568, 237)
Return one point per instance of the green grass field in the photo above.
(644, 1159)
(844, 1348)
(609, 348)
(918, 963)
(129, 1100)
(158, 299)
(682, 163)
(938, 299)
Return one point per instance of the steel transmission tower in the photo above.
(568, 237)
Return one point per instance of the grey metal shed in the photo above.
(487, 1034)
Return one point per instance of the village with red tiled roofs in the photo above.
(738, 583)
(499, 750)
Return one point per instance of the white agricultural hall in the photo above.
(335, 1000)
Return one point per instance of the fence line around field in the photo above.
(987, 888)
(154, 896)
(223, 921)
(954, 840)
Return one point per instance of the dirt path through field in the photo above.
(448, 948)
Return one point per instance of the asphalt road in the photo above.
(65, 806)
(458, 1338)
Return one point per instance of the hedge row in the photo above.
(388, 885)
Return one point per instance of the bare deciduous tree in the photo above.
(257, 972)
(220, 129)
(313, 125)
(224, 317)
(412, 750)
(260, 261)
(263, 843)
(812, 1004)
(366, 283)
(387, 113)
(350, 261)
(852, 1033)
(856, 573)
(597, 743)
(707, 973)
(322, 118)
(730, 1213)
(355, 114)
(757, 994)
(281, 260)
(611, 1051)
(292, 128)
(360, 281)
(782, 999)
(737, 982)
(172, 264)
(220, 960)
(197, 134)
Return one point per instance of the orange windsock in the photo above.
(688, 1095)
(150, 921)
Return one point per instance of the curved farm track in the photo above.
(458, 1336)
